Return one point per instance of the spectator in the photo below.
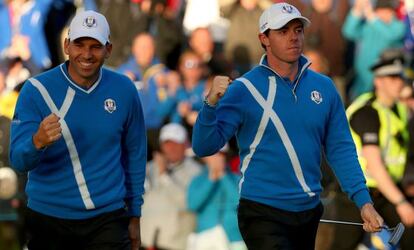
(182, 105)
(166, 223)
(22, 34)
(213, 196)
(373, 29)
(201, 42)
(120, 13)
(325, 35)
(143, 63)
(162, 20)
(241, 47)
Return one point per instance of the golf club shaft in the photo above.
(341, 222)
(349, 223)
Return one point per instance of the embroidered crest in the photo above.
(287, 9)
(316, 97)
(110, 105)
(89, 22)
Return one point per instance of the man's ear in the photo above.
(264, 40)
(108, 50)
(66, 46)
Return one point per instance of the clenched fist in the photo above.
(217, 90)
(48, 132)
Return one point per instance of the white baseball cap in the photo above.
(89, 24)
(278, 15)
(173, 132)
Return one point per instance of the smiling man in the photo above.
(283, 116)
(78, 130)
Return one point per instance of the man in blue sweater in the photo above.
(79, 131)
(283, 115)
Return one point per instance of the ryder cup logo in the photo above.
(316, 97)
(110, 105)
(287, 9)
(89, 22)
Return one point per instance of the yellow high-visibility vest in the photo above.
(391, 125)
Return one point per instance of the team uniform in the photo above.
(281, 129)
(82, 174)
(283, 126)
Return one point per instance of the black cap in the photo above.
(390, 63)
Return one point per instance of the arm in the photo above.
(217, 121)
(386, 185)
(352, 28)
(134, 156)
(199, 192)
(230, 184)
(356, 18)
(342, 156)
(30, 133)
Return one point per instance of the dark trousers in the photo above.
(267, 228)
(108, 231)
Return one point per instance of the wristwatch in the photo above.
(207, 103)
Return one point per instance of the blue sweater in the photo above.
(280, 149)
(98, 165)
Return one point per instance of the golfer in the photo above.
(283, 116)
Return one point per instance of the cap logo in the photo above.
(110, 105)
(89, 22)
(316, 97)
(287, 9)
(264, 26)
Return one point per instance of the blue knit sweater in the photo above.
(281, 135)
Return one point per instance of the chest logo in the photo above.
(316, 97)
(110, 105)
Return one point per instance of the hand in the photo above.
(48, 132)
(372, 220)
(359, 6)
(184, 108)
(216, 166)
(191, 117)
(135, 232)
(161, 162)
(217, 90)
(406, 212)
(368, 11)
(20, 47)
(173, 82)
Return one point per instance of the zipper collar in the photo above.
(304, 64)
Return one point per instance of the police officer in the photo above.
(378, 123)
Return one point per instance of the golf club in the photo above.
(396, 232)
